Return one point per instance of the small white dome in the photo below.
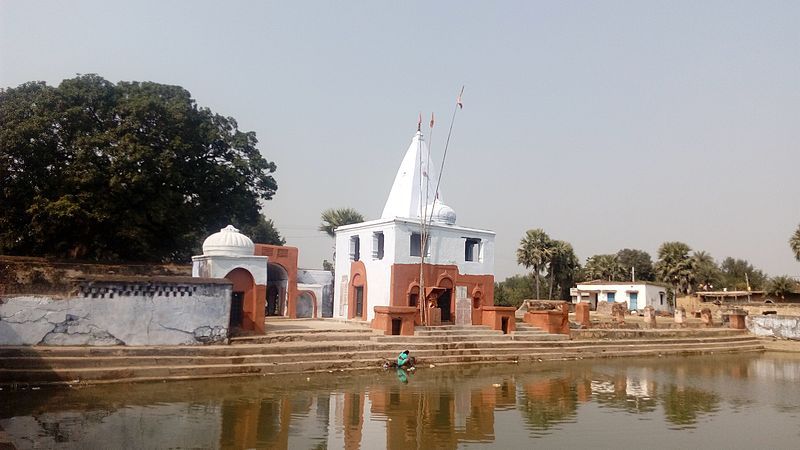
(228, 242)
(443, 214)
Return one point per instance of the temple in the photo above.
(379, 263)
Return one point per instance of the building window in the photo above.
(377, 245)
(610, 296)
(661, 297)
(472, 249)
(355, 248)
(416, 245)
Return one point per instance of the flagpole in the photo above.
(422, 213)
(458, 106)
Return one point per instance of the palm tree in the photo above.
(335, 218)
(534, 252)
(562, 267)
(794, 243)
(604, 267)
(676, 267)
(780, 286)
(707, 273)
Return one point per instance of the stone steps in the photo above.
(335, 346)
(72, 362)
(66, 364)
(355, 335)
(160, 372)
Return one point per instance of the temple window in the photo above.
(377, 245)
(472, 249)
(355, 248)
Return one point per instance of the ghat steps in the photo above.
(437, 346)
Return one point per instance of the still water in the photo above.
(740, 401)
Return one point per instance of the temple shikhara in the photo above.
(414, 255)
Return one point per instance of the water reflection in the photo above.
(432, 408)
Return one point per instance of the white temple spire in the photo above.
(404, 198)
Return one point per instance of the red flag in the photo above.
(432, 120)
(458, 100)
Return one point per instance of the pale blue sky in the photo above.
(608, 124)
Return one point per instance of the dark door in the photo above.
(397, 326)
(443, 303)
(360, 301)
(272, 300)
(237, 309)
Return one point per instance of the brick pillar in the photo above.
(582, 314)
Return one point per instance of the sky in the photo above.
(608, 124)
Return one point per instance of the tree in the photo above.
(512, 291)
(676, 267)
(533, 253)
(707, 273)
(604, 267)
(794, 243)
(781, 285)
(640, 261)
(738, 274)
(264, 232)
(130, 171)
(562, 268)
(335, 218)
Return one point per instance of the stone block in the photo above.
(707, 317)
(650, 317)
(736, 319)
(618, 311)
(680, 315)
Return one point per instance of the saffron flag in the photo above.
(419, 124)
(431, 120)
(458, 100)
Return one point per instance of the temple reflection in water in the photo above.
(441, 408)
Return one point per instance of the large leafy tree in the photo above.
(335, 218)
(512, 291)
(676, 267)
(739, 274)
(534, 253)
(604, 267)
(562, 268)
(264, 232)
(794, 243)
(133, 170)
(640, 261)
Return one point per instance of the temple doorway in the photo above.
(237, 310)
(443, 303)
(277, 282)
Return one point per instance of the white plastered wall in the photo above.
(648, 294)
(447, 246)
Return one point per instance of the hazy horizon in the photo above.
(608, 124)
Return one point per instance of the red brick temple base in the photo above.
(395, 320)
(499, 318)
(554, 321)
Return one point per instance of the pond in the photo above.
(712, 401)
